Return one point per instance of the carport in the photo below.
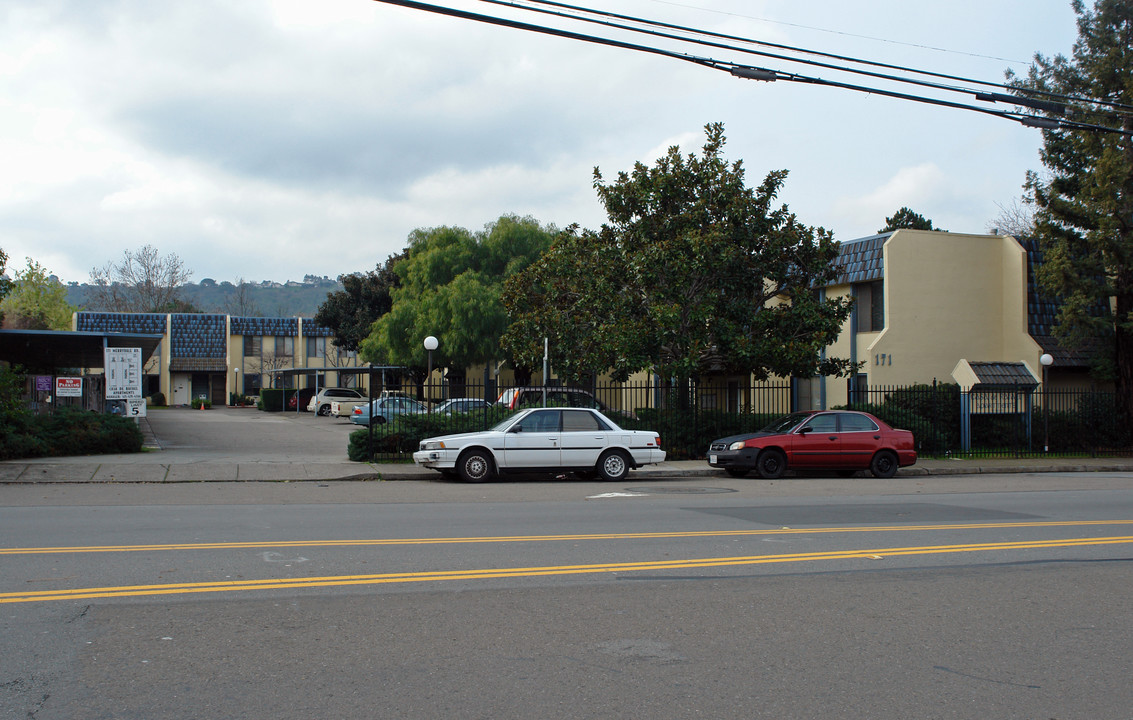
(369, 370)
(53, 353)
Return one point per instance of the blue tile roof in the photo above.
(861, 260)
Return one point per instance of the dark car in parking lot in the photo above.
(841, 440)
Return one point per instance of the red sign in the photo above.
(69, 387)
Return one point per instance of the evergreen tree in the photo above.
(1084, 202)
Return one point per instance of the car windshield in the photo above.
(785, 423)
(502, 425)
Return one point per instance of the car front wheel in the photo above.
(474, 466)
(613, 466)
(771, 464)
(883, 465)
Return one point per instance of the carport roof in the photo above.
(48, 350)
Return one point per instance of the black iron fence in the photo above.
(944, 419)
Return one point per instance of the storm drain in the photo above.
(680, 490)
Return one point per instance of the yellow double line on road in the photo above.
(497, 573)
(255, 545)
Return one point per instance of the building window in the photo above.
(284, 346)
(316, 347)
(869, 308)
(253, 345)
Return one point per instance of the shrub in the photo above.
(69, 432)
(272, 399)
(157, 399)
(198, 403)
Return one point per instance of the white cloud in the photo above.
(271, 138)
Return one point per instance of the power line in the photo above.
(986, 97)
(755, 73)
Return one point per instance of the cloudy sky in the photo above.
(270, 139)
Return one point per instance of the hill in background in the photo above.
(262, 299)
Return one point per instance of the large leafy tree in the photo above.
(1084, 201)
(449, 286)
(364, 298)
(37, 301)
(694, 273)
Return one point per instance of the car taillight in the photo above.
(657, 440)
(357, 411)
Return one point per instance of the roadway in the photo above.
(666, 596)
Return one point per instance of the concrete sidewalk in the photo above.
(151, 467)
(165, 462)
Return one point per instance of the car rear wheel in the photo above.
(883, 465)
(613, 466)
(771, 464)
(324, 410)
(474, 466)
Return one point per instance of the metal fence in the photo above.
(944, 420)
(1003, 422)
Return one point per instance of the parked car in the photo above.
(842, 440)
(543, 440)
(385, 409)
(320, 403)
(521, 397)
(300, 399)
(461, 405)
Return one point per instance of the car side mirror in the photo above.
(805, 430)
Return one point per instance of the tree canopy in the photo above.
(693, 273)
(449, 286)
(37, 301)
(365, 297)
(5, 281)
(1084, 201)
(906, 219)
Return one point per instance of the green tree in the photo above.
(1084, 201)
(364, 298)
(450, 284)
(37, 301)
(5, 282)
(694, 273)
(906, 219)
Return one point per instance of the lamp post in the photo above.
(236, 381)
(1046, 361)
(431, 344)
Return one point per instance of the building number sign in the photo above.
(883, 359)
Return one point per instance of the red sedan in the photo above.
(841, 440)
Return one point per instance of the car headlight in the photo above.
(737, 445)
(433, 445)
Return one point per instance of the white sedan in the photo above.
(543, 440)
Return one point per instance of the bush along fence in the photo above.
(944, 419)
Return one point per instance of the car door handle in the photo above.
(833, 437)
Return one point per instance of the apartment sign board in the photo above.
(123, 368)
(69, 387)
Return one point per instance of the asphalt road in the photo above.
(568, 600)
(919, 597)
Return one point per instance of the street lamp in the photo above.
(1046, 361)
(236, 381)
(431, 344)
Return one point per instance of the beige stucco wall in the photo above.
(947, 296)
